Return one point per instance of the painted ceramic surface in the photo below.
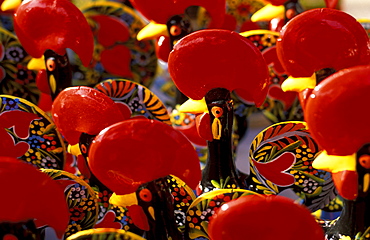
(278, 106)
(117, 53)
(139, 99)
(29, 134)
(81, 200)
(105, 234)
(281, 159)
(16, 78)
(203, 207)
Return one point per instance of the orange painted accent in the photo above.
(50, 64)
(365, 161)
(217, 111)
(145, 195)
(175, 30)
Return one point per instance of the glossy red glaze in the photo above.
(163, 48)
(55, 25)
(336, 113)
(322, 38)
(208, 59)
(277, 2)
(270, 217)
(203, 125)
(135, 151)
(346, 182)
(31, 194)
(191, 132)
(138, 217)
(83, 109)
(160, 11)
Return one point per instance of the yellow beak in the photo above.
(299, 84)
(9, 5)
(268, 12)
(36, 64)
(194, 106)
(123, 200)
(152, 31)
(74, 149)
(334, 164)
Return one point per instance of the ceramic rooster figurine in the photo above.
(202, 75)
(279, 12)
(130, 100)
(33, 199)
(275, 217)
(133, 165)
(168, 18)
(335, 119)
(317, 43)
(47, 28)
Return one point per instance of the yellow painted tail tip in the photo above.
(268, 12)
(299, 84)
(152, 31)
(194, 106)
(36, 64)
(10, 5)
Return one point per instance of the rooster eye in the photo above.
(83, 148)
(217, 111)
(365, 161)
(145, 195)
(175, 30)
(50, 64)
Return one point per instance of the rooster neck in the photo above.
(61, 71)
(220, 165)
(354, 218)
(84, 144)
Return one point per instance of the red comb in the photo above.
(335, 112)
(322, 38)
(209, 59)
(55, 25)
(84, 109)
(135, 151)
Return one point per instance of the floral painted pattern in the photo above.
(26, 124)
(15, 78)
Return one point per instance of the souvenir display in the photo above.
(125, 120)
